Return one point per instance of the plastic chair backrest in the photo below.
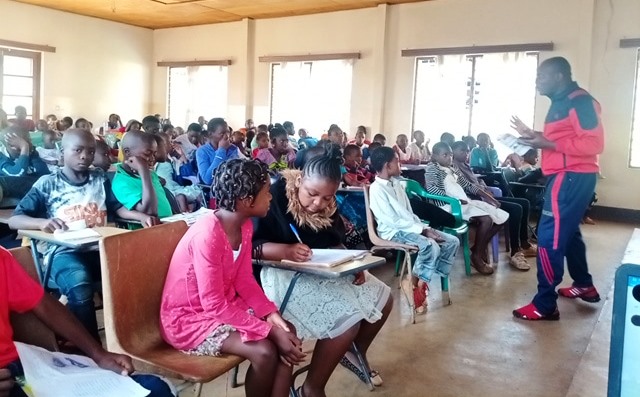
(134, 268)
(27, 328)
(413, 187)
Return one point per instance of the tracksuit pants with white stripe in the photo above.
(567, 196)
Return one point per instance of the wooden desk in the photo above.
(51, 238)
(342, 270)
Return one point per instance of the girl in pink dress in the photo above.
(211, 302)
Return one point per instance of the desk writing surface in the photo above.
(341, 270)
(104, 231)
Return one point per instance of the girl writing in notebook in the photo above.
(212, 304)
(334, 311)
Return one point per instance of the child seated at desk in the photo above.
(397, 222)
(212, 304)
(280, 155)
(444, 181)
(402, 149)
(19, 293)
(186, 196)
(20, 164)
(102, 157)
(216, 151)
(49, 152)
(359, 305)
(135, 184)
(75, 196)
(355, 174)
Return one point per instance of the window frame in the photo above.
(186, 65)
(635, 129)
(36, 75)
(471, 57)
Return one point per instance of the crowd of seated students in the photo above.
(294, 213)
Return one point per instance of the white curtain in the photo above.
(197, 91)
(440, 103)
(504, 85)
(313, 95)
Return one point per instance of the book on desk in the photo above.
(330, 257)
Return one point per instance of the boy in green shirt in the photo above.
(135, 184)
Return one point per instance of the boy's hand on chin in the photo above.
(138, 164)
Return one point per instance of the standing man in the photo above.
(572, 139)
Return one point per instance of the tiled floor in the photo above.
(474, 347)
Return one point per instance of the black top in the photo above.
(274, 228)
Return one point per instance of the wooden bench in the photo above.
(134, 268)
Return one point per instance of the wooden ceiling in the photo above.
(157, 14)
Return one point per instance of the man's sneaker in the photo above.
(588, 294)
(531, 313)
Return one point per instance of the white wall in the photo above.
(99, 67)
(102, 67)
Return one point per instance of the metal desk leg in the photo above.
(364, 366)
(36, 262)
(283, 306)
(287, 295)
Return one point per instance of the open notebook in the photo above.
(330, 257)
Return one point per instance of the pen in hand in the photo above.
(295, 232)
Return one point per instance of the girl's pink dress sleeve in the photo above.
(245, 282)
(208, 263)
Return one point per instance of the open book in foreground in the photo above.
(54, 374)
(330, 257)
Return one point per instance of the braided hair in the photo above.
(238, 179)
(326, 165)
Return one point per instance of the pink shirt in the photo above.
(206, 288)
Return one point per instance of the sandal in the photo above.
(374, 376)
(519, 262)
(420, 298)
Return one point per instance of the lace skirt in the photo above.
(321, 307)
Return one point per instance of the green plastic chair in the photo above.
(461, 229)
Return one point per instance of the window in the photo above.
(196, 91)
(313, 95)
(20, 82)
(634, 160)
(469, 94)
